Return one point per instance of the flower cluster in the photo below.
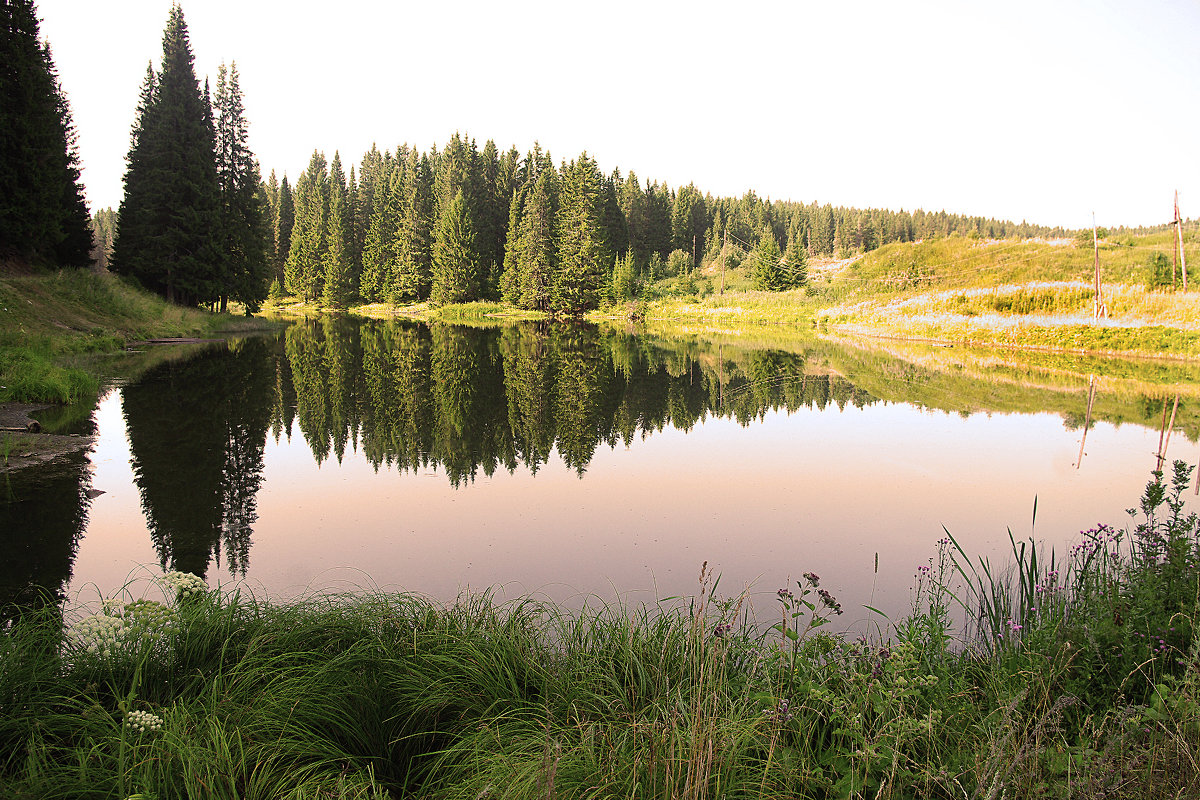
(1098, 541)
(118, 625)
(1050, 584)
(98, 633)
(785, 594)
(183, 585)
(780, 713)
(813, 578)
(143, 721)
(134, 624)
(722, 630)
(830, 601)
(148, 618)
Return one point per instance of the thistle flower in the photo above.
(830, 601)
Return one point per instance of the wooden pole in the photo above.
(1179, 241)
(1170, 427)
(1087, 421)
(1098, 309)
(1162, 432)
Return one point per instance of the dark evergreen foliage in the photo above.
(549, 240)
(243, 210)
(455, 271)
(305, 272)
(284, 221)
(584, 258)
(169, 222)
(43, 215)
(339, 240)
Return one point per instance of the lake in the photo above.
(581, 464)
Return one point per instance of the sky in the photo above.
(1042, 110)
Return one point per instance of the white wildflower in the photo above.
(98, 633)
(183, 584)
(143, 721)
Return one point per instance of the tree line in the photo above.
(198, 224)
(461, 223)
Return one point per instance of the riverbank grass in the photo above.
(1076, 677)
(48, 322)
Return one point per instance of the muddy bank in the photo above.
(22, 444)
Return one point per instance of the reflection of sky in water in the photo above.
(820, 491)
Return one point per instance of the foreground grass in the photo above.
(1075, 679)
(49, 321)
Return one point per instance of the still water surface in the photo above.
(571, 463)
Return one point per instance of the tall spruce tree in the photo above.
(510, 287)
(169, 217)
(283, 228)
(455, 265)
(415, 234)
(584, 260)
(271, 190)
(243, 217)
(537, 250)
(380, 248)
(768, 272)
(795, 258)
(305, 272)
(337, 281)
(43, 216)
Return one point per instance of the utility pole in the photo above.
(1098, 308)
(1179, 241)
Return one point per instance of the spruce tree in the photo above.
(243, 221)
(584, 260)
(104, 228)
(767, 271)
(415, 234)
(455, 271)
(355, 232)
(537, 251)
(305, 272)
(169, 217)
(510, 287)
(271, 190)
(43, 216)
(283, 228)
(380, 248)
(795, 259)
(337, 278)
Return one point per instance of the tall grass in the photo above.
(1078, 677)
(47, 321)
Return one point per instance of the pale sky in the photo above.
(1044, 110)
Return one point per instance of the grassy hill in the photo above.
(1032, 293)
(49, 322)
